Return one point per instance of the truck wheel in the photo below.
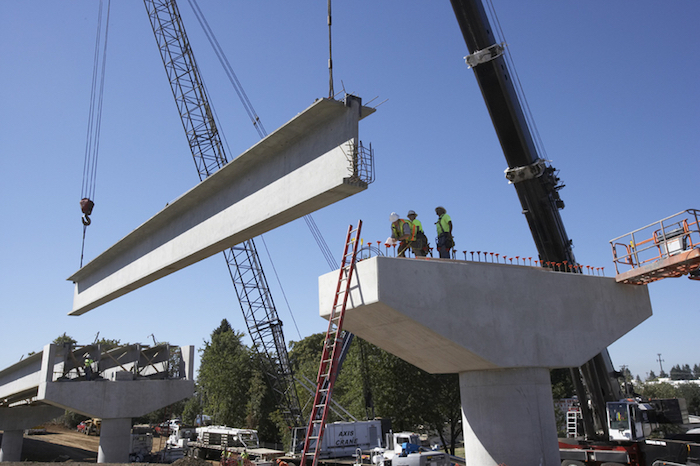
(572, 463)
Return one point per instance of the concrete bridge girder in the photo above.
(303, 166)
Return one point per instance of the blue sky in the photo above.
(612, 87)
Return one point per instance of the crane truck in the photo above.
(537, 186)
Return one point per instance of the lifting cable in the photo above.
(330, 55)
(257, 123)
(92, 143)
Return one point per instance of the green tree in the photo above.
(224, 376)
(691, 392)
(192, 409)
(658, 390)
(261, 405)
(63, 339)
(562, 386)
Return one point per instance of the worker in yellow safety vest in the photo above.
(445, 241)
(420, 233)
(404, 231)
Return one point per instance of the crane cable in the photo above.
(92, 143)
(331, 93)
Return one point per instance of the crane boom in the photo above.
(536, 184)
(250, 284)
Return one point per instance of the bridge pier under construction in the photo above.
(500, 327)
(126, 382)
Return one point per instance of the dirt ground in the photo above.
(60, 444)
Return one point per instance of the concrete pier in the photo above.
(500, 327)
(14, 421)
(130, 381)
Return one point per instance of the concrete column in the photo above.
(11, 448)
(508, 417)
(115, 439)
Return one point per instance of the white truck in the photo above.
(211, 441)
(403, 449)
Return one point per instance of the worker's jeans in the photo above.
(444, 245)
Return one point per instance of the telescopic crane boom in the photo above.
(537, 187)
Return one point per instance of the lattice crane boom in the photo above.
(250, 284)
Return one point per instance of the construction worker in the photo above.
(445, 241)
(420, 234)
(87, 366)
(404, 231)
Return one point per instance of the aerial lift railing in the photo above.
(667, 248)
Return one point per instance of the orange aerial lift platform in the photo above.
(667, 248)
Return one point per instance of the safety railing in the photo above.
(91, 362)
(368, 249)
(361, 162)
(657, 241)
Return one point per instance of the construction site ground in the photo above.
(61, 444)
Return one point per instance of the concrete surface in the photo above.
(300, 168)
(448, 316)
(501, 327)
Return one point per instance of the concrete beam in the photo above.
(448, 316)
(303, 166)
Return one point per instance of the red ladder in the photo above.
(332, 346)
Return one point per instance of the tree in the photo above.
(262, 405)
(375, 383)
(691, 392)
(224, 376)
(681, 373)
(562, 386)
(658, 390)
(651, 376)
(63, 339)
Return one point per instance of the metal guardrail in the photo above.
(659, 245)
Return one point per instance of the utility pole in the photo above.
(661, 367)
(623, 370)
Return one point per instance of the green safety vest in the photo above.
(418, 224)
(399, 233)
(443, 224)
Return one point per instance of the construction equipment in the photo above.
(631, 424)
(537, 186)
(243, 262)
(328, 369)
(669, 247)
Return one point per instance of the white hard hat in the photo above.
(411, 212)
(393, 217)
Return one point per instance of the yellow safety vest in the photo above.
(443, 224)
(399, 233)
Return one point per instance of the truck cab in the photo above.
(629, 420)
